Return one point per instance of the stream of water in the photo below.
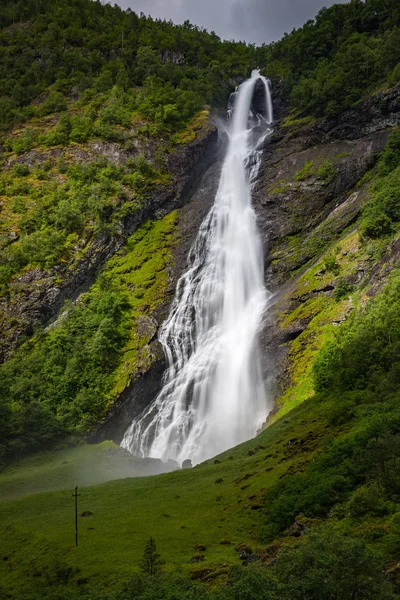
(213, 395)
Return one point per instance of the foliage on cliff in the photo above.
(64, 379)
(81, 49)
(335, 59)
(71, 51)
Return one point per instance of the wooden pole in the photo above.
(75, 495)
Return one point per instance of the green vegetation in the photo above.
(151, 562)
(334, 60)
(305, 172)
(331, 264)
(300, 464)
(314, 500)
(354, 480)
(65, 467)
(64, 379)
(343, 289)
(83, 49)
(381, 214)
(326, 171)
(364, 354)
(51, 216)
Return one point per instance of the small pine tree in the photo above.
(151, 561)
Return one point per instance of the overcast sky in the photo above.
(251, 20)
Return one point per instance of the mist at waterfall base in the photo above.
(213, 395)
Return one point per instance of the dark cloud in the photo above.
(251, 20)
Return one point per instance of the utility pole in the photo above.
(75, 495)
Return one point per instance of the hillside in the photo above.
(110, 162)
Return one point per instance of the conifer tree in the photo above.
(151, 561)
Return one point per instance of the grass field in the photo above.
(216, 504)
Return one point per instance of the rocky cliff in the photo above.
(316, 178)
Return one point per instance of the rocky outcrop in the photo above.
(308, 199)
(376, 113)
(304, 195)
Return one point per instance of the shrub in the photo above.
(18, 204)
(332, 265)
(25, 142)
(367, 500)
(21, 169)
(343, 289)
(55, 102)
(330, 566)
(81, 129)
(390, 158)
(376, 225)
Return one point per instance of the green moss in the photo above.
(195, 128)
(140, 269)
(305, 172)
(295, 122)
(93, 353)
(320, 312)
(279, 187)
(304, 350)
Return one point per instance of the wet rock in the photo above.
(200, 548)
(259, 99)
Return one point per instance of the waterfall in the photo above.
(213, 395)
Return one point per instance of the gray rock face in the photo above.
(376, 113)
(308, 194)
(259, 104)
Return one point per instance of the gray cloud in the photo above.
(250, 20)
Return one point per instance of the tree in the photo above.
(328, 566)
(151, 561)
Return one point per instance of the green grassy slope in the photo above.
(181, 509)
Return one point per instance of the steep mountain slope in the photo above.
(100, 207)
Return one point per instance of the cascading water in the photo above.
(213, 395)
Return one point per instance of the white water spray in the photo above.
(213, 396)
